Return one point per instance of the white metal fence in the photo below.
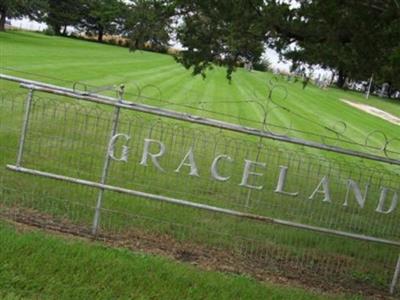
(268, 201)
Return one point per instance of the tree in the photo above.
(390, 43)
(390, 72)
(20, 8)
(148, 24)
(61, 14)
(223, 32)
(356, 38)
(102, 16)
(262, 65)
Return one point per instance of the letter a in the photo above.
(325, 190)
(192, 164)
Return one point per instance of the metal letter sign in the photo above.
(224, 168)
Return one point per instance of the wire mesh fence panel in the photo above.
(284, 210)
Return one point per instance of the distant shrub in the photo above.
(126, 43)
(262, 65)
(112, 41)
(49, 31)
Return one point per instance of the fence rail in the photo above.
(199, 163)
(100, 99)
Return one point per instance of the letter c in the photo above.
(214, 171)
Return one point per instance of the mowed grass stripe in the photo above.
(106, 65)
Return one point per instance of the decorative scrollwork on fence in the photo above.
(274, 105)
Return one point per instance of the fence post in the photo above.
(395, 279)
(107, 160)
(24, 129)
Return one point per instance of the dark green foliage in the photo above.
(222, 32)
(64, 13)
(356, 38)
(19, 8)
(148, 24)
(262, 65)
(102, 16)
(49, 31)
(390, 70)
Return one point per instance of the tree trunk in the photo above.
(65, 30)
(341, 79)
(57, 29)
(2, 20)
(389, 90)
(100, 36)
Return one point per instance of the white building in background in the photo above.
(27, 24)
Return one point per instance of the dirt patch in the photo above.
(278, 271)
(374, 111)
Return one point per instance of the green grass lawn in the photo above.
(34, 265)
(62, 61)
(59, 61)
